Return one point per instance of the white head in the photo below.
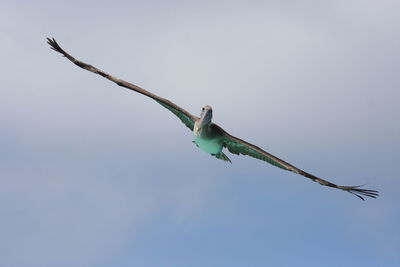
(205, 118)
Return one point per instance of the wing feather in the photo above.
(187, 118)
(238, 146)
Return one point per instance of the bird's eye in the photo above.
(202, 109)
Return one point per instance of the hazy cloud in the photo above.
(87, 168)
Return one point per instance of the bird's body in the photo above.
(210, 144)
(205, 136)
(210, 137)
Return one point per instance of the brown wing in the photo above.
(187, 118)
(238, 146)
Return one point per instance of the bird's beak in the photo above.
(202, 120)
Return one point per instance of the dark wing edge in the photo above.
(238, 146)
(187, 118)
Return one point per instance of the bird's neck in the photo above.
(201, 131)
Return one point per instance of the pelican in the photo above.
(210, 137)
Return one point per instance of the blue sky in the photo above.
(92, 174)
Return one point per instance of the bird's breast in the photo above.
(212, 145)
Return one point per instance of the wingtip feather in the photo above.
(55, 46)
(360, 192)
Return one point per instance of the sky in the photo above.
(92, 174)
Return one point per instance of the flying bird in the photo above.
(210, 137)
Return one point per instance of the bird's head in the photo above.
(205, 118)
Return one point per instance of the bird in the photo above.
(210, 137)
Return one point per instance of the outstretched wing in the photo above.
(238, 146)
(187, 118)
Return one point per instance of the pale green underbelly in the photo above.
(212, 146)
